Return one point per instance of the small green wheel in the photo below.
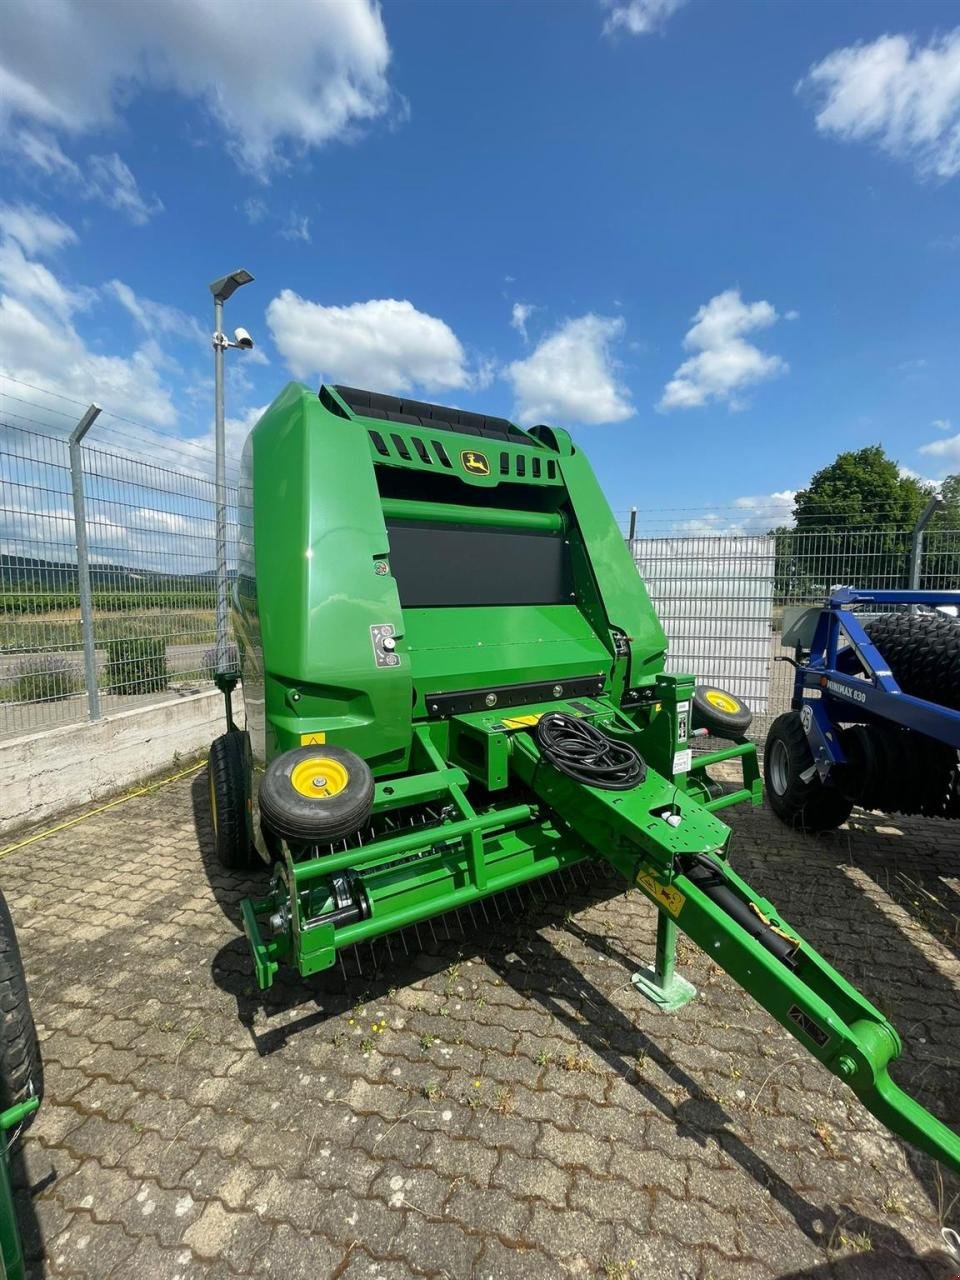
(720, 712)
(21, 1070)
(228, 783)
(315, 795)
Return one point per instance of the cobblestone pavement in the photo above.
(501, 1104)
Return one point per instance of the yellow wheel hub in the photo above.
(319, 777)
(722, 701)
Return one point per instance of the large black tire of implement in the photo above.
(318, 819)
(923, 652)
(228, 787)
(21, 1071)
(809, 805)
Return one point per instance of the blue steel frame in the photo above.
(850, 698)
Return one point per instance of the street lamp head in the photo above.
(242, 340)
(226, 286)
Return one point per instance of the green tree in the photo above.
(853, 523)
(862, 489)
(940, 563)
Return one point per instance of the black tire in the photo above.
(308, 814)
(807, 804)
(21, 1070)
(228, 786)
(923, 652)
(721, 712)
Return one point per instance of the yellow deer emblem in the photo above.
(475, 462)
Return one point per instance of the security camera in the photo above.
(242, 339)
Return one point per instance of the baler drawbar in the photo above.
(454, 685)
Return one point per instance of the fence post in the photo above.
(633, 527)
(916, 539)
(83, 562)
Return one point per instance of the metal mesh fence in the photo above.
(149, 503)
(724, 599)
(149, 521)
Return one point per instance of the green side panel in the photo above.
(470, 648)
(620, 586)
(320, 552)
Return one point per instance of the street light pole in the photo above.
(220, 445)
(222, 289)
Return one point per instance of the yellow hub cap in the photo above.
(319, 777)
(722, 701)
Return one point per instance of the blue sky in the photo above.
(719, 241)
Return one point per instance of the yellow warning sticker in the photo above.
(519, 722)
(312, 739)
(668, 897)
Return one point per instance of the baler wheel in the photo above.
(720, 712)
(315, 795)
(228, 786)
(796, 793)
(21, 1070)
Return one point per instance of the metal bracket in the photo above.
(660, 982)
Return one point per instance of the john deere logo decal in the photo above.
(475, 462)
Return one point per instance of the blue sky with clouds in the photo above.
(719, 241)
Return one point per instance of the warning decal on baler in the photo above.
(519, 722)
(668, 897)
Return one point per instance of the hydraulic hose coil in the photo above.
(588, 755)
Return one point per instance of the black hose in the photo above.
(586, 754)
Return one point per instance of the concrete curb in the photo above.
(45, 774)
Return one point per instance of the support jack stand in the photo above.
(660, 982)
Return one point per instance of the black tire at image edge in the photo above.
(21, 1069)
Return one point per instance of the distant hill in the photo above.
(23, 573)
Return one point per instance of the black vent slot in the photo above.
(521, 466)
(401, 447)
(379, 443)
(504, 464)
(441, 453)
(551, 470)
(535, 468)
(421, 449)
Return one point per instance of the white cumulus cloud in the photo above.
(33, 230)
(111, 180)
(571, 377)
(273, 75)
(40, 344)
(946, 453)
(638, 17)
(752, 514)
(520, 314)
(725, 363)
(385, 344)
(156, 317)
(893, 92)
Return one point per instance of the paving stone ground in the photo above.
(500, 1103)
